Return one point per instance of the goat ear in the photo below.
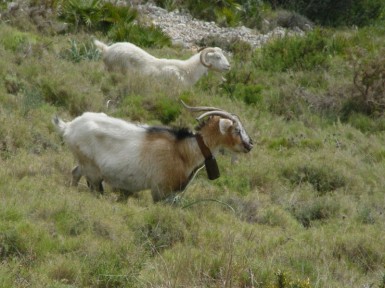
(225, 125)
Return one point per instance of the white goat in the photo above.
(133, 157)
(129, 58)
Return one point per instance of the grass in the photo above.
(304, 209)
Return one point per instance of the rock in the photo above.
(187, 32)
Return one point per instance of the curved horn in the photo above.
(200, 108)
(224, 114)
(203, 57)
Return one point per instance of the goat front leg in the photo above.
(95, 185)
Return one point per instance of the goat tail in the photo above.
(100, 45)
(60, 125)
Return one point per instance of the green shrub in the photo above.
(300, 53)
(69, 223)
(368, 93)
(16, 40)
(57, 93)
(117, 22)
(366, 215)
(252, 13)
(290, 19)
(360, 251)
(317, 209)
(332, 13)
(32, 99)
(167, 110)
(324, 179)
(77, 53)
(223, 12)
(143, 36)
(249, 94)
(12, 244)
(95, 15)
(365, 123)
(162, 228)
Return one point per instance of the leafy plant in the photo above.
(77, 53)
(143, 36)
(300, 53)
(249, 94)
(252, 13)
(117, 22)
(368, 94)
(82, 13)
(329, 12)
(167, 110)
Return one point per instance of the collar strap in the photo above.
(202, 146)
(210, 162)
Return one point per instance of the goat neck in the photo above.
(211, 135)
(194, 68)
(210, 162)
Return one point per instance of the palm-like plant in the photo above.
(81, 12)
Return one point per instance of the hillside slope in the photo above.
(305, 208)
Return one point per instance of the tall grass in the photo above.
(304, 209)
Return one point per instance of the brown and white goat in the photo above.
(133, 157)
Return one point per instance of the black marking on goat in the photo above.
(178, 133)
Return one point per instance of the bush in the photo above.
(77, 53)
(143, 36)
(167, 110)
(250, 94)
(15, 40)
(161, 228)
(300, 53)
(290, 19)
(94, 15)
(360, 251)
(12, 244)
(252, 13)
(241, 85)
(332, 13)
(368, 94)
(319, 209)
(322, 178)
(117, 22)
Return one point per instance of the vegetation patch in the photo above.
(368, 92)
(119, 23)
(324, 179)
(319, 209)
(312, 51)
(359, 251)
(314, 178)
(161, 231)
